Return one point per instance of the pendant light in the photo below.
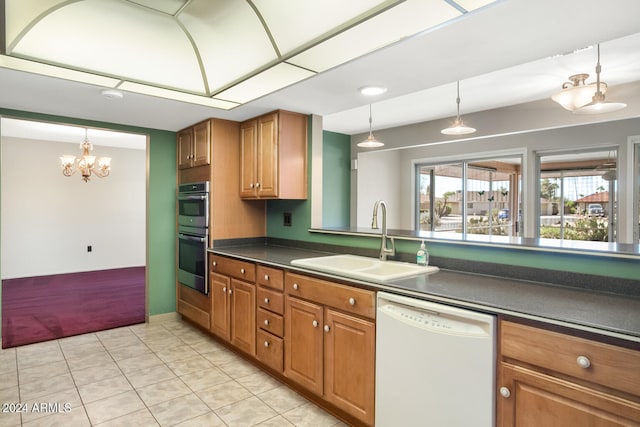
(371, 141)
(576, 92)
(598, 103)
(458, 127)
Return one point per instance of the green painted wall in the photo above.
(161, 205)
(333, 164)
(336, 175)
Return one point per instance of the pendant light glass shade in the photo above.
(371, 141)
(458, 127)
(598, 104)
(575, 93)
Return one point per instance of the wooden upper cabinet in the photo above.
(273, 157)
(248, 158)
(194, 146)
(185, 144)
(202, 144)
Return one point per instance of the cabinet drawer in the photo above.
(270, 322)
(270, 350)
(599, 363)
(193, 313)
(233, 267)
(346, 298)
(270, 277)
(271, 300)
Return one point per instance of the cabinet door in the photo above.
(243, 316)
(535, 399)
(201, 144)
(267, 161)
(303, 344)
(220, 287)
(185, 141)
(248, 158)
(349, 369)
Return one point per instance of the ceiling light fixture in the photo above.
(458, 127)
(112, 94)
(575, 93)
(86, 164)
(372, 90)
(371, 141)
(598, 103)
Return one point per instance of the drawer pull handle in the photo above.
(230, 291)
(352, 301)
(583, 362)
(224, 289)
(505, 392)
(242, 270)
(266, 322)
(215, 263)
(295, 286)
(315, 323)
(266, 277)
(266, 300)
(327, 328)
(266, 343)
(257, 185)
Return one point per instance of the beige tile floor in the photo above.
(164, 373)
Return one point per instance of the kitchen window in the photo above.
(578, 195)
(480, 196)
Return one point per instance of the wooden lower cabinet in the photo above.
(552, 379)
(303, 359)
(243, 316)
(233, 314)
(330, 352)
(219, 287)
(349, 369)
(538, 400)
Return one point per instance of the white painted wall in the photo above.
(379, 178)
(48, 220)
(399, 164)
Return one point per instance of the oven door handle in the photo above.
(192, 238)
(194, 197)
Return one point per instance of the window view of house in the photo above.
(472, 197)
(578, 193)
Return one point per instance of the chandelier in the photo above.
(85, 164)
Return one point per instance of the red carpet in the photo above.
(43, 308)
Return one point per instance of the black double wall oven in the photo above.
(193, 235)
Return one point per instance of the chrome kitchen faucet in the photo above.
(384, 250)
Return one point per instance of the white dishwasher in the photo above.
(435, 364)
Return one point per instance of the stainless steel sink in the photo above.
(365, 268)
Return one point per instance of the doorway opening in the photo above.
(73, 253)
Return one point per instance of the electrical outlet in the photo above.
(287, 219)
(89, 248)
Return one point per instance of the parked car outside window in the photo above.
(503, 214)
(595, 209)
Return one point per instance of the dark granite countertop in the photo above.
(602, 313)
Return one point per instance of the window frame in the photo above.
(465, 162)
